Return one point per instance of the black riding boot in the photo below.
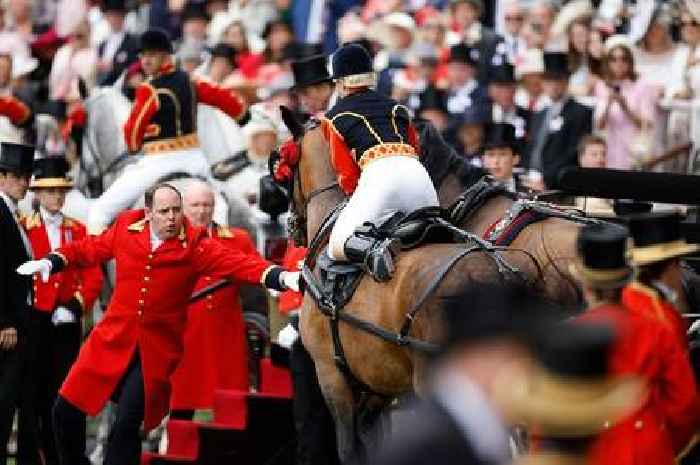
(375, 255)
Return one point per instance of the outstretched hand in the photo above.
(31, 267)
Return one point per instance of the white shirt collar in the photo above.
(472, 411)
(155, 240)
(49, 218)
(11, 204)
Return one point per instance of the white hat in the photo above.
(400, 19)
(568, 14)
(616, 40)
(693, 7)
(259, 122)
(531, 62)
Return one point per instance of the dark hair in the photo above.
(628, 57)
(590, 139)
(150, 193)
(577, 58)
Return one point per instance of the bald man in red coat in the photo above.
(216, 349)
(134, 350)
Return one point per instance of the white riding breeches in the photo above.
(389, 184)
(137, 178)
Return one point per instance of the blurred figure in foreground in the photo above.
(460, 421)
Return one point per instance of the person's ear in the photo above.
(516, 159)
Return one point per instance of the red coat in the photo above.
(654, 434)
(216, 350)
(84, 284)
(647, 301)
(293, 257)
(148, 310)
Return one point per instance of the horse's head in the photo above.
(303, 166)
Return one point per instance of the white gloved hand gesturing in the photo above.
(287, 337)
(31, 267)
(290, 280)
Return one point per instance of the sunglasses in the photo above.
(514, 18)
(690, 23)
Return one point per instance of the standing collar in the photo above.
(50, 218)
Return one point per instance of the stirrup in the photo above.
(379, 261)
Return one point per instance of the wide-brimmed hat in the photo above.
(310, 71)
(602, 256)
(17, 158)
(568, 392)
(693, 8)
(51, 172)
(657, 237)
(156, 40)
(433, 98)
(499, 135)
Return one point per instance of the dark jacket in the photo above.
(561, 144)
(487, 49)
(126, 54)
(429, 436)
(14, 288)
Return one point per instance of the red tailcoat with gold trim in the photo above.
(165, 107)
(216, 350)
(148, 310)
(655, 433)
(647, 301)
(84, 283)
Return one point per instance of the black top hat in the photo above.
(602, 250)
(156, 40)
(224, 51)
(194, 10)
(503, 73)
(499, 135)
(433, 98)
(17, 158)
(51, 172)
(463, 53)
(310, 71)
(364, 43)
(556, 65)
(657, 237)
(505, 310)
(115, 6)
(690, 227)
(351, 60)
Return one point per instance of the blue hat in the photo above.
(156, 40)
(353, 60)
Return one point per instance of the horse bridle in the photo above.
(296, 224)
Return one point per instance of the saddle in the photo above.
(339, 279)
(474, 198)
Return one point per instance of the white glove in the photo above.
(287, 337)
(290, 280)
(62, 316)
(31, 267)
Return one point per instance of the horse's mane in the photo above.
(440, 159)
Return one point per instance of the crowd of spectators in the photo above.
(459, 63)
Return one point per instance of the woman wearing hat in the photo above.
(58, 304)
(661, 427)
(657, 249)
(686, 72)
(374, 150)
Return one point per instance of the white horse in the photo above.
(105, 155)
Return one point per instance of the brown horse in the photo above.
(386, 368)
(551, 241)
